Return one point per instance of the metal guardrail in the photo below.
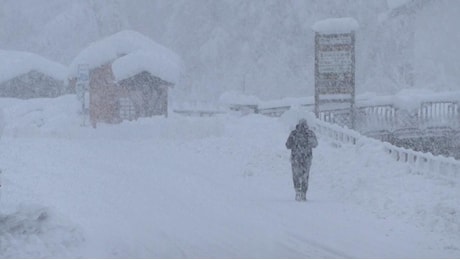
(431, 119)
(273, 111)
(425, 162)
(385, 122)
(331, 131)
(435, 114)
(199, 113)
(382, 116)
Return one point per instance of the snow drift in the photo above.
(216, 187)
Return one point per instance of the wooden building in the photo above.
(147, 93)
(141, 95)
(130, 83)
(26, 75)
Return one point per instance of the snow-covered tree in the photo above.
(262, 48)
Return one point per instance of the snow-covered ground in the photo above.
(215, 187)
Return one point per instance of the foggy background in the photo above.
(261, 48)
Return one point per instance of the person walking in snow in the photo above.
(301, 142)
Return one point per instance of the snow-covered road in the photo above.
(212, 188)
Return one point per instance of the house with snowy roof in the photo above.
(26, 75)
(129, 77)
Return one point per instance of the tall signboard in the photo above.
(335, 68)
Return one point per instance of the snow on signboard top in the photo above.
(16, 63)
(336, 25)
(122, 44)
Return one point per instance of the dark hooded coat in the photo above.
(301, 141)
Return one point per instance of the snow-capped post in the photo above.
(82, 89)
(335, 67)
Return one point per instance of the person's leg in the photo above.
(297, 179)
(305, 178)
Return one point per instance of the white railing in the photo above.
(198, 113)
(336, 132)
(423, 162)
(429, 117)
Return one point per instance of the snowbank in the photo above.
(54, 117)
(16, 63)
(336, 25)
(216, 187)
(26, 231)
(125, 43)
(291, 117)
(60, 118)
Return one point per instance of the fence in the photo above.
(199, 113)
(433, 118)
(433, 114)
(382, 122)
(424, 162)
(369, 118)
(336, 132)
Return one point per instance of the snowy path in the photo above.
(227, 195)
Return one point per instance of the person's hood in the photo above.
(302, 124)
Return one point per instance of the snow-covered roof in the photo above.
(157, 63)
(16, 63)
(127, 46)
(336, 25)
